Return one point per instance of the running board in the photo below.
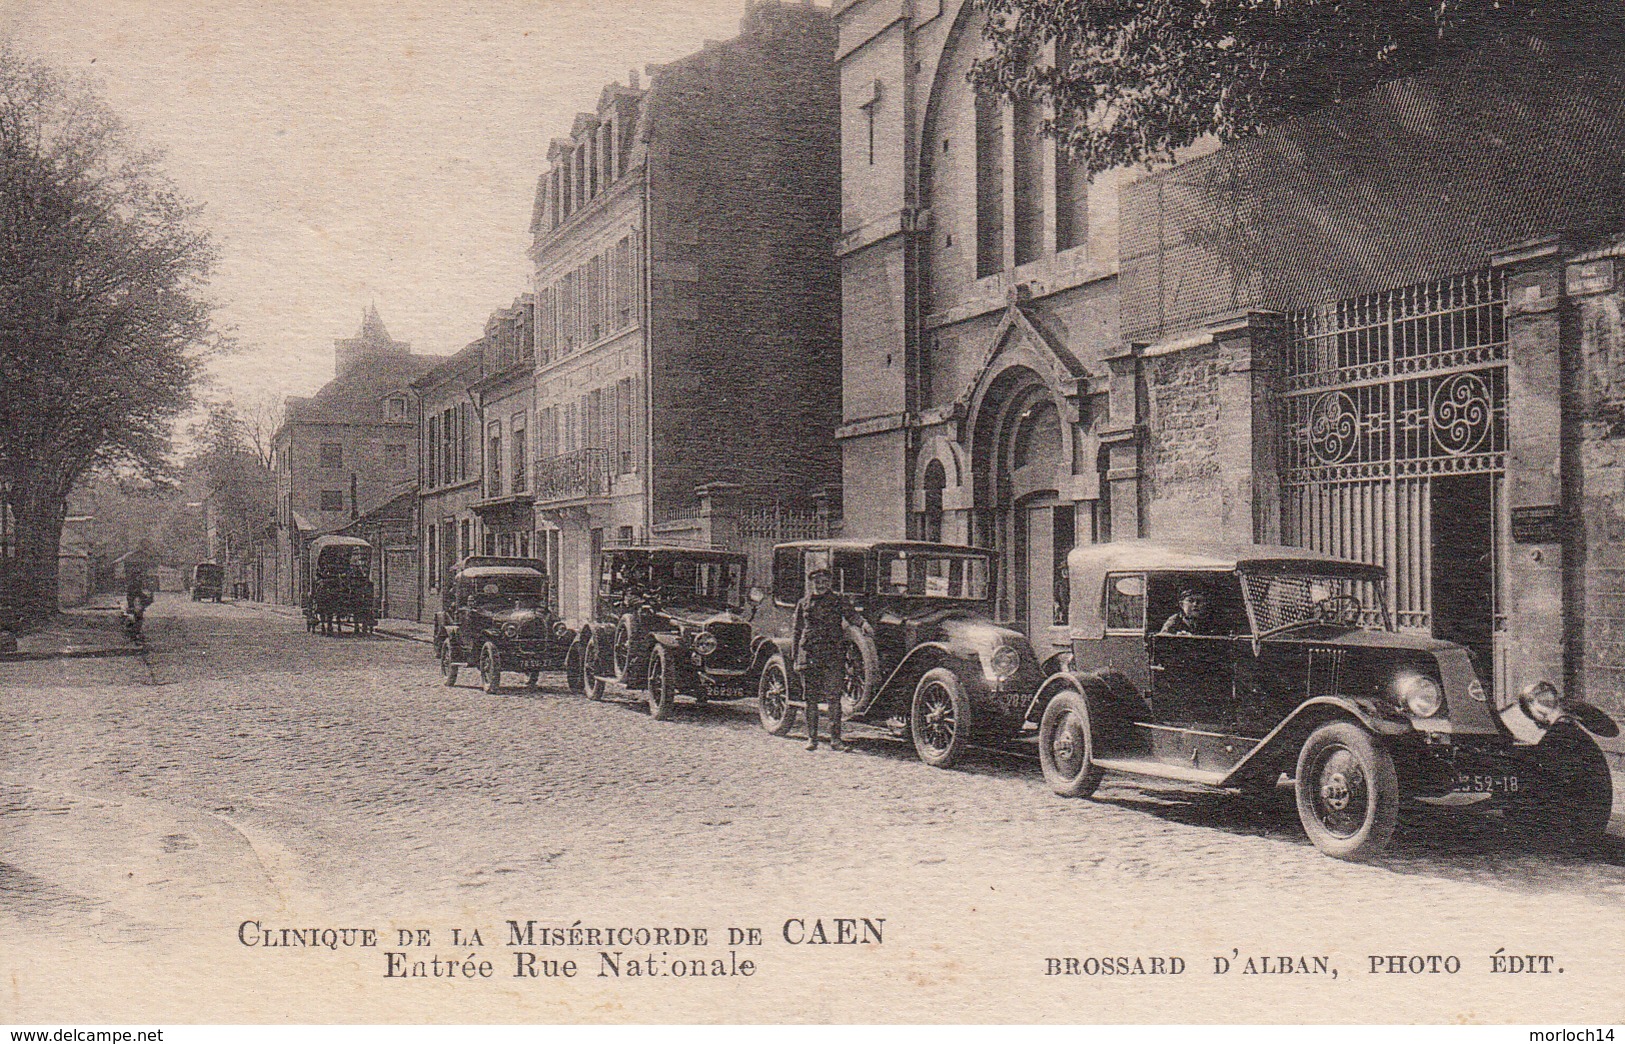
(1162, 770)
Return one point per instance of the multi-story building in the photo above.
(347, 449)
(979, 311)
(449, 479)
(475, 448)
(687, 296)
(505, 395)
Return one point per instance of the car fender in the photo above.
(1087, 684)
(1263, 763)
(897, 691)
(764, 649)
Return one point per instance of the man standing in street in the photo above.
(818, 651)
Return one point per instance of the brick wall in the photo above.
(1600, 427)
(1424, 175)
(743, 170)
(1200, 465)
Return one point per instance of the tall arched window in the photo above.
(989, 185)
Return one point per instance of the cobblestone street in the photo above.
(243, 769)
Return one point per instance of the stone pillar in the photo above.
(720, 504)
(1543, 629)
(826, 503)
(1120, 436)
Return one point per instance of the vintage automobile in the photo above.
(339, 589)
(496, 618)
(208, 581)
(934, 665)
(668, 620)
(1237, 666)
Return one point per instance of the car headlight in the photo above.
(1542, 702)
(1004, 663)
(1418, 694)
(705, 643)
(510, 630)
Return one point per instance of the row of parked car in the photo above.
(1232, 667)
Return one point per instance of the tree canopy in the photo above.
(1130, 81)
(103, 318)
(234, 453)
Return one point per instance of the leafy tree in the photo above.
(103, 322)
(1130, 81)
(235, 455)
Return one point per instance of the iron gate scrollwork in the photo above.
(1384, 393)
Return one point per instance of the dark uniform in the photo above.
(819, 646)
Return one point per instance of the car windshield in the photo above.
(1279, 601)
(932, 574)
(707, 581)
(508, 592)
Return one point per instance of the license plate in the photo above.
(1480, 783)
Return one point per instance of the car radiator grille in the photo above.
(733, 646)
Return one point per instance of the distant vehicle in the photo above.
(339, 588)
(496, 617)
(208, 581)
(938, 669)
(669, 620)
(1235, 666)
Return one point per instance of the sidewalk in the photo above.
(85, 631)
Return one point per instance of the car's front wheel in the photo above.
(662, 686)
(939, 718)
(1066, 747)
(490, 669)
(574, 680)
(590, 679)
(622, 649)
(773, 698)
(448, 663)
(1347, 791)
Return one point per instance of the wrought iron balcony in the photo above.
(571, 476)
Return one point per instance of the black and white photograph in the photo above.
(812, 512)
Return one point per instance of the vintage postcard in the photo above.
(763, 511)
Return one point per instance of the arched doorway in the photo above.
(1020, 450)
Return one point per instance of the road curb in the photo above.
(73, 654)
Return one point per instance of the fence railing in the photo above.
(775, 522)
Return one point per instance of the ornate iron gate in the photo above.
(1386, 393)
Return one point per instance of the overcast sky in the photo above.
(358, 151)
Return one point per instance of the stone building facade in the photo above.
(347, 449)
(1386, 331)
(687, 297)
(979, 311)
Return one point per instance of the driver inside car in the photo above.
(1194, 616)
